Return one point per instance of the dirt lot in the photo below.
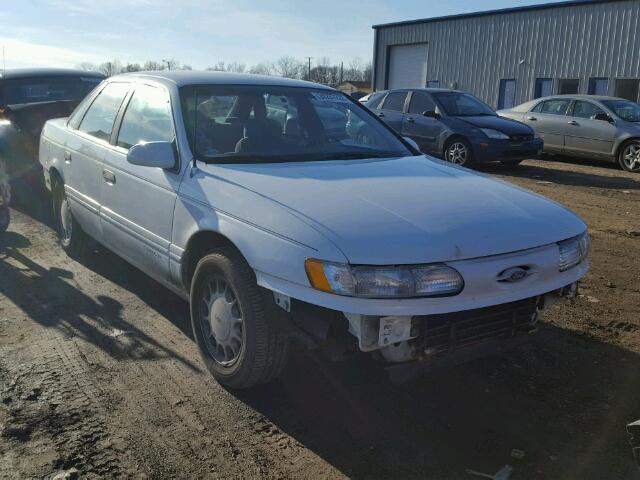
(99, 375)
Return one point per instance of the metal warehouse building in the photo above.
(509, 56)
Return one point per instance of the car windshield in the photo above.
(251, 124)
(459, 104)
(625, 109)
(19, 91)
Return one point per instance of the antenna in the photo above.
(4, 63)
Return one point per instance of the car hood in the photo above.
(406, 210)
(505, 125)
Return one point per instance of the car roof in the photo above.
(423, 89)
(182, 78)
(579, 96)
(47, 72)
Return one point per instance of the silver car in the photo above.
(586, 126)
(241, 194)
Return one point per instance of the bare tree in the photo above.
(262, 68)
(288, 67)
(151, 65)
(132, 67)
(110, 68)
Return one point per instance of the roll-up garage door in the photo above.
(407, 66)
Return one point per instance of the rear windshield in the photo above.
(251, 124)
(18, 91)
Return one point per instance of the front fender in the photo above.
(269, 253)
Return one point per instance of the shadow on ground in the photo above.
(563, 399)
(52, 298)
(547, 172)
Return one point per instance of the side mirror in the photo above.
(152, 154)
(604, 117)
(411, 142)
(431, 114)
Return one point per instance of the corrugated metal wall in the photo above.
(580, 41)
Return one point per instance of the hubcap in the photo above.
(631, 156)
(221, 320)
(457, 153)
(66, 221)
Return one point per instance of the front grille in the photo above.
(440, 333)
(522, 138)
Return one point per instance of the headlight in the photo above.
(489, 132)
(383, 282)
(573, 251)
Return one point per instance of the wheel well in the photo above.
(198, 246)
(450, 140)
(55, 176)
(624, 144)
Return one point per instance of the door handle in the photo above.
(67, 156)
(380, 114)
(410, 120)
(109, 176)
(533, 119)
(573, 122)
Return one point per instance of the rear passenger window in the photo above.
(555, 106)
(420, 103)
(98, 121)
(395, 101)
(147, 118)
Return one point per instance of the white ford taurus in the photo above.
(284, 210)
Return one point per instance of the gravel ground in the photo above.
(99, 375)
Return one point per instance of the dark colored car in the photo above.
(455, 126)
(28, 98)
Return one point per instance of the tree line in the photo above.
(321, 71)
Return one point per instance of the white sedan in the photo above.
(253, 199)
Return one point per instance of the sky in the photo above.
(64, 33)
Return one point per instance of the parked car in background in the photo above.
(240, 194)
(455, 126)
(585, 126)
(28, 98)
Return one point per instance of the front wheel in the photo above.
(240, 346)
(458, 151)
(70, 235)
(629, 156)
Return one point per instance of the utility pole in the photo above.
(341, 72)
(309, 74)
(4, 63)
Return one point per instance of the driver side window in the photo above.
(147, 118)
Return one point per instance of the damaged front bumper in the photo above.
(404, 338)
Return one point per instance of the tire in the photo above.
(71, 237)
(629, 156)
(240, 346)
(458, 151)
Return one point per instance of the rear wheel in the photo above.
(629, 156)
(240, 346)
(458, 151)
(70, 235)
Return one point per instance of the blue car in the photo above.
(455, 126)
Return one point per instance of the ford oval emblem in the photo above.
(513, 274)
